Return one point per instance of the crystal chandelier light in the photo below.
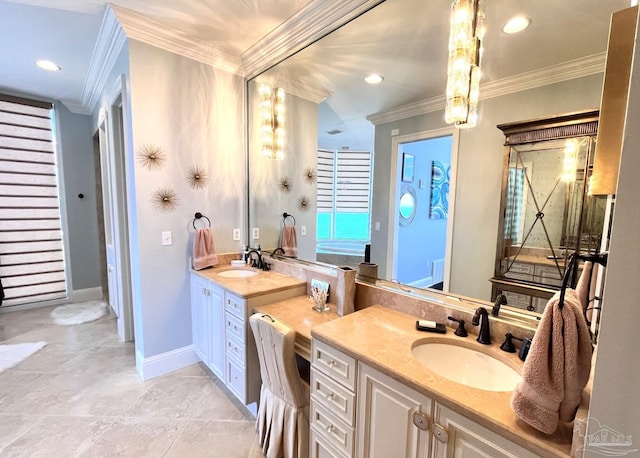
(272, 121)
(463, 70)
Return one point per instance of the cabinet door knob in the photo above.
(330, 396)
(421, 421)
(440, 433)
(329, 428)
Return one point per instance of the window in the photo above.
(344, 195)
(516, 206)
(31, 253)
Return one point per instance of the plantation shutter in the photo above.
(31, 249)
(353, 181)
(325, 189)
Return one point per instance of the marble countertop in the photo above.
(264, 282)
(383, 338)
(297, 313)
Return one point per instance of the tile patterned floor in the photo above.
(80, 396)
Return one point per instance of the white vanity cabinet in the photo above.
(207, 320)
(358, 411)
(222, 337)
(333, 402)
(242, 370)
(456, 435)
(393, 420)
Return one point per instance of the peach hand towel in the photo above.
(557, 367)
(289, 241)
(586, 288)
(204, 249)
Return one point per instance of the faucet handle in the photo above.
(507, 345)
(461, 331)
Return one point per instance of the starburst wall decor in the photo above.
(303, 203)
(152, 157)
(165, 199)
(197, 177)
(285, 185)
(309, 175)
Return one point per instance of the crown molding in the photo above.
(146, 30)
(111, 40)
(307, 25)
(578, 68)
(310, 92)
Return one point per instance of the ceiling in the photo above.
(65, 31)
(407, 44)
(402, 39)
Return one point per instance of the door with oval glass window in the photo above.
(422, 202)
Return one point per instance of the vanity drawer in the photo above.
(235, 305)
(334, 363)
(517, 270)
(548, 275)
(235, 379)
(236, 349)
(234, 327)
(336, 398)
(338, 433)
(319, 447)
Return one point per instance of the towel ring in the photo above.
(286, 215)
(199, 215)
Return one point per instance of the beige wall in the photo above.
(195, 113)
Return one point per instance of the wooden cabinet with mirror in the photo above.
(547, 212)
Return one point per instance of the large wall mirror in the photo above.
(345, 140)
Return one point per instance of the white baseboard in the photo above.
(164, 363)
(87, 294)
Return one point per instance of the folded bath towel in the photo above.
(557, 367)
(204, 249)
(289, 241)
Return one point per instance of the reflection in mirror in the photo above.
(548, 213)
(330, 108)
(407, 205)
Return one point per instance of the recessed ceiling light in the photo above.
(516, 24)
(374, 79)
(48, 65)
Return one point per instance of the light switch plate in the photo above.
(377, 225)
(255, 233)
(236, 234)
(167, 238)
(303, 231)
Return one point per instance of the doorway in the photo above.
(111, 138)
(423, 208)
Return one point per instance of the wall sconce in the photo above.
(463, 69)
(272, 121)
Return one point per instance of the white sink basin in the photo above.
(238, 273)
(467, 366)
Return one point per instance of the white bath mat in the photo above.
(10, 355)
(83, 312)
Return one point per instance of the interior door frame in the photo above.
(116, 122)
(394, 219)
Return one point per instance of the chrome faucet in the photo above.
(481, 317)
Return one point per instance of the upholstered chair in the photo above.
(282, 423)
